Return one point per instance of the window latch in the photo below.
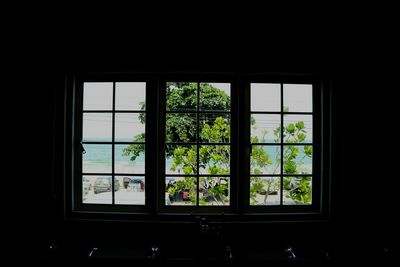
(82, 148)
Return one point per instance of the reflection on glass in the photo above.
(181, 159)
(214, 191)
(132, 190)
(265, 190)
(297, 97)
(214, 159)
(265, 97)
(180, 191)
(129, 159)
(130, 95)
(215, 128)
(97, 189)
(298, 128)
(97, 96)
(265, 160)
(297, 190)
(97, 127)
(297, 159)
(97, 158)
(128, 126)
(181, 96)
(215, 96)
(265, 128)
(181, 127)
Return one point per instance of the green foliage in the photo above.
(215, 160)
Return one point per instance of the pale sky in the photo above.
(267, 97)
(264, 97)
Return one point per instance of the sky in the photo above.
(264, 97)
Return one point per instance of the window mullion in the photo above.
(113, 148)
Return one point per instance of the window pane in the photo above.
(297, 97)
(129, 127)
(180, 191)
(181, 127)
(214, 191)
(297, 190)
(215, 128)
(97, 189)
(129, 159)
(265, 97)
(130, 95)
(298, 128)
(181, 96)
(132, 190)
(97, 127)
(265, 160)
(97, 96)
(297, 160)
(97, 158)
(181, 159)
(265, 128)
(265, 190)
(214, 159)
(215, 96)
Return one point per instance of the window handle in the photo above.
(251, 149)
(82, 148)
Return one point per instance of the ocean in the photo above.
(98, 158)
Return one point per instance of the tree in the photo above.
(215, 159)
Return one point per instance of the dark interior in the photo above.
(361, 226)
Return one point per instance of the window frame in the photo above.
(239, 208)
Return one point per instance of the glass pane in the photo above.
(297, 97)
(181, 127)
(265, 97)
(298, 128)
(181, 159)
(265, 190)
(215, 96)
(97, 96)
(297, 160)
(97, 127)
(214, 191)
(132, 190)
(97, 158)
(215, 128)
(129, 127)
(297, 190)
(97, 189)
(265, 160)
(129, 159)
(180, 191)
(181, 96)
(214, 159)
(265, 128)
(130, 96)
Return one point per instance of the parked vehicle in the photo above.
(86, 185)
(104, 184)
(125, 181)
(136, 185)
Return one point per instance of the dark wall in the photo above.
(364, 134)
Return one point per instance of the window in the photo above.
(113, 143)
(168, 144)
(281, 144)
(197, 143)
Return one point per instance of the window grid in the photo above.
(282, 144)
(113, 174)
(198, 112)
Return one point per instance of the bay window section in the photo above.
(113, 143)
(197, 144)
